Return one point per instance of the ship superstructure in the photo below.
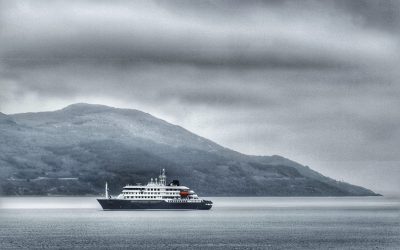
(155, 195)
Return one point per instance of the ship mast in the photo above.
(106, 193)
(163, 178)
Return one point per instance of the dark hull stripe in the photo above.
(114, 204)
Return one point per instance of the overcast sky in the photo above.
(314, 81)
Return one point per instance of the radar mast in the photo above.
(163, 178)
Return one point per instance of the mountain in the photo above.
(75, 150)
(5, 119)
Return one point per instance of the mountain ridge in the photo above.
(73, 151)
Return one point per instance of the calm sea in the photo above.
(233, 223)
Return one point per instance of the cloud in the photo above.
(43, 32)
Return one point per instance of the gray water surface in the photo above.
(233, 223)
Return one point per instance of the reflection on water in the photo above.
(278, 223)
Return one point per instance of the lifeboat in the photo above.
(184, 193)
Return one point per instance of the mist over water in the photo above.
(256, 223)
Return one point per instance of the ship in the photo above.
(155, 195)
